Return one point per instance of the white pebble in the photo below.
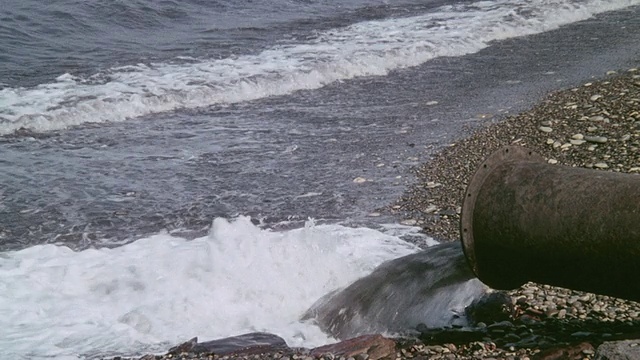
(601, 165)
(545, 129)
(552, 161)
(359, 180)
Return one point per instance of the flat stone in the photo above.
(565, 352)
(601, 165)
(408, 222)
(545, 129)
(430, 209)
(359, 180)
(432, 184)
(552, 161)
(621, 350)
(595, 97)
(577, 142)
(246, 344)
(578, 137)
(375, 346)
(596, 139)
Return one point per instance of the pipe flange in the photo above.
(506, 154)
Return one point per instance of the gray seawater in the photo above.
(122, 119)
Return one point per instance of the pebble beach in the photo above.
(595, 125)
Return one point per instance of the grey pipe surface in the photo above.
(526, 220)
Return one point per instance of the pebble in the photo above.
(430, 209)
(432, 184)
(596, 139)
(577, 142)
(552, 161)
(578, 137)
(408, 222)
(545, 129)
(601, 165)
(431, 103)
(359, 180)
(595, 97)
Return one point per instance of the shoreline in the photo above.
(607, 112)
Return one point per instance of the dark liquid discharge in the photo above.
(432, 288)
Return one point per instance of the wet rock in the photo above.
(247, 344)
(618, 350)
(451, 335)
(374, 346)
(566, 352)
(184, 347)
(492, 307)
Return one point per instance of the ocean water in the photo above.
(128, 128)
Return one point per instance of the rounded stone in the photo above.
(596, 139)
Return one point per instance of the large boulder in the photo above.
(619, 350)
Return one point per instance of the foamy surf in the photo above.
(162, 290)
(370, 48)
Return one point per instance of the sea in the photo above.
(171, 169)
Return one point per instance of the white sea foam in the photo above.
(163, 290)
(370, 48)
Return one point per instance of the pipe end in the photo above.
(506, 154)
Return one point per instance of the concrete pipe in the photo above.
(526, 220)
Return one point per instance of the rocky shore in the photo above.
(595, 125)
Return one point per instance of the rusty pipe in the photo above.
(526, 220)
